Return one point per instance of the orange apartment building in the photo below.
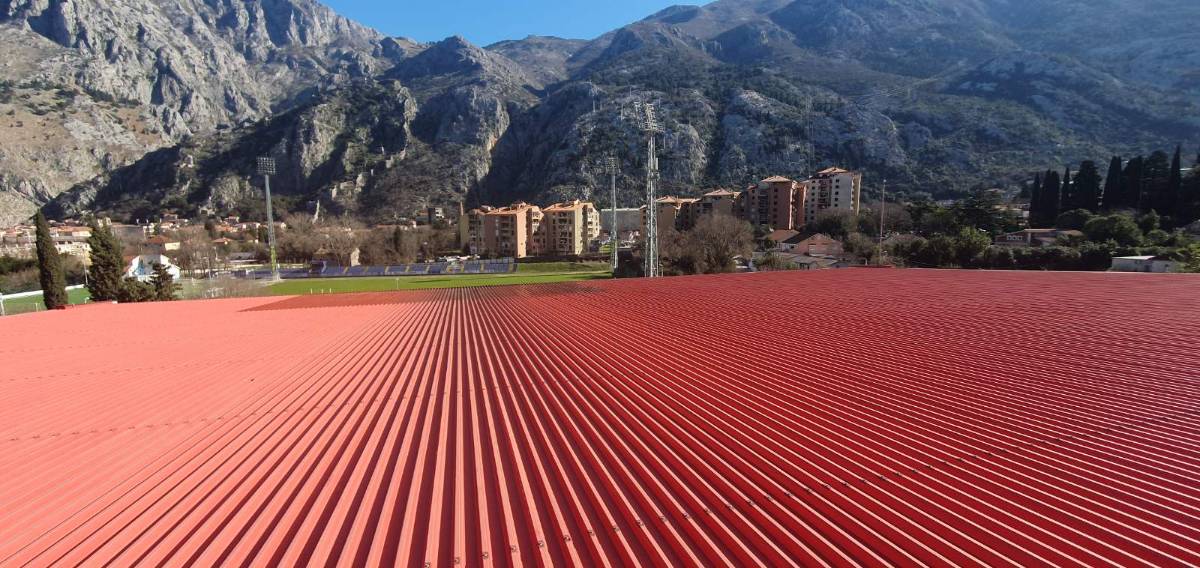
(567, 228)
(776, 202)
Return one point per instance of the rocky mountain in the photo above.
(93, 84)
(939, 96)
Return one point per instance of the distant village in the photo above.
(787, 210)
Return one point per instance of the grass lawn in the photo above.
(379, 284)
(34, 303)
(561, 267)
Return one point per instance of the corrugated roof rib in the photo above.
(833, 418)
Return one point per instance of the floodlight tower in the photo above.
(648, 121)
(613, 168)
(266, 168)
(882, 208)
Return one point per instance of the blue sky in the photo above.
(488, 21)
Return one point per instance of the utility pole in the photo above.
(266, 168)
(649, 124)
(612, 167)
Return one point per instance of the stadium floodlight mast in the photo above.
(647, 119)
(882, 208)
(612, 168)
(266, 168)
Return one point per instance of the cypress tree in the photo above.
(1131, 184)
(1035, 197)
(1174, 183)
(50, 270)
(1112, 184)
(1087, 187)
(1189, 195)
(1048, 209)
(1155, 177)
(108, 266)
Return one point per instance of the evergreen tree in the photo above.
(132, 290)
(50, 270)
(1155, 177)
(1189, 196)
(1131, 184)
(1087, 187)
(1174, 183)
(1112, 184)
(1049, 205)
(1035, 196)
(108, 266)
(163, 283)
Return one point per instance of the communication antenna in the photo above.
(647, 119)
(612, 168)
(266, 168)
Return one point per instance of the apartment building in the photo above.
(775, 202)
(832, 188)
(720, 202)
(509, 231)
(678, 213)
(470, 229)
(568, 228)
(69, 240)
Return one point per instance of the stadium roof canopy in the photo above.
(837, 417)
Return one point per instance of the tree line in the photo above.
(1143, 184)
(106, 280)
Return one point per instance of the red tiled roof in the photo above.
(781, 235)
(833, 417)
(776, 179)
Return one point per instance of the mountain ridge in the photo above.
(938, 96)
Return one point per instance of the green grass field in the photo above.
(34, 303)
(542, 273)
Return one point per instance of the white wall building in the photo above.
(1155, 264)
(142, 267)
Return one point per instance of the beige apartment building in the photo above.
(568, 228)
(832, 188)
(720, 202)
(470, 229)
(509, 231)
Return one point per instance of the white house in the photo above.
(1142, 264)
(142, 267)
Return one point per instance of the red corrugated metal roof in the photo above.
(837, 418)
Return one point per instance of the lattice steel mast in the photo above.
(648, 121)
(613, 168)
(266, 168)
